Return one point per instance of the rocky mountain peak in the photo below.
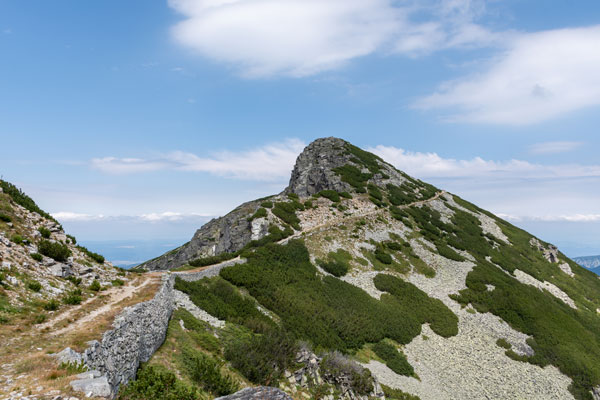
(314, 168)
(334, 164)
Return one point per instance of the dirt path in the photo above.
(115, 295)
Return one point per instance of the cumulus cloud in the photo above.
(538, 77)
(167, 216)
(554, 147)
(432, 165)
(553, 218)
(72, 216)
(272, 162)
(302, 37)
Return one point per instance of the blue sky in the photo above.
(138, 120)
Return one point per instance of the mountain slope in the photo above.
(53, 294)
(355, 256)
(590, 262)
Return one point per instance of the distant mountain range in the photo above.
(590, 262)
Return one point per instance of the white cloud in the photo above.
(554, 147)
(553, 218)
(429, 165)
(116, 165)
(167, 216)
(71, 216)
(302, 37)
(540, 76)
(268, 163)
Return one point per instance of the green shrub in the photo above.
(262, 358)
(383, 256)
(117, 282)
(206, 372)
(210, 260)
(17, 239)
(34, 285)
(72, 239)
(221, 299)
(95, 286)
(503, 343)
(157, 383)
(5, 218)
(75, 281)
(345, 195)
(364, 158)
(442, 321)
(39, 319)
(260, 213)
(329, 312)
(338, 262)
(45, 232)
(275, 235)
(374, 192)
(73, 298)
(394, 359)
(267, 204)
(354, 177)
(292, 196)
(94, 256)
(330, 194)
(397, 394)
(287, 213)
(51, 305)
(37, 257)
(333, 267)
(447, 252)
(54, 250)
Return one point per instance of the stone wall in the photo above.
(137, 333)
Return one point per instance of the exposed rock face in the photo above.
(550, 253)
(257, 393)
(229, 233)
(313, 171)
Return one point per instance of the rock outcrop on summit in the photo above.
(318, 168)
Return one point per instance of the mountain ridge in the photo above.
(355, 282)
(360, 219)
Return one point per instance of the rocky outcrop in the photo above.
(313, 171)
(550, 252)
(226, 234)
(337, 370)
(137, 333)
(315, 168)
